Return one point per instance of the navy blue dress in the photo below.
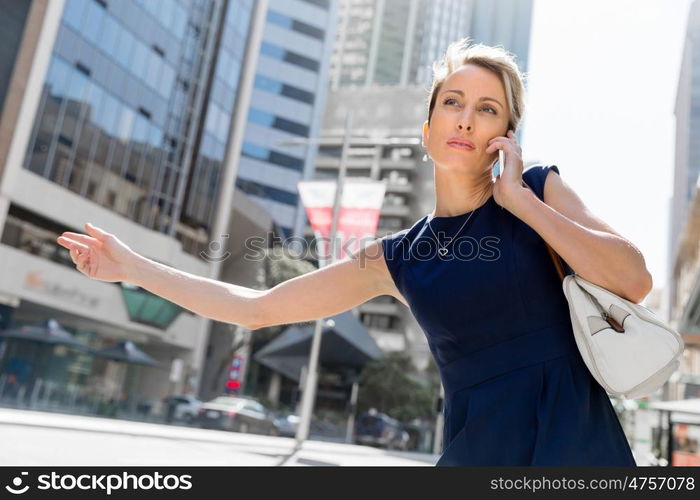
(517, 391)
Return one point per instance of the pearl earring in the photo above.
(425, 157)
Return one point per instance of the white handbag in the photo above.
(626, 347)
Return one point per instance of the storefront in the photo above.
(97, 315)
(680, 422)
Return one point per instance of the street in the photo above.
(49, 439)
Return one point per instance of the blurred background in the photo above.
(133, 114)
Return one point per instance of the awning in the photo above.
(128, 352)
(346, 344)
(48, 331)
(690, 406)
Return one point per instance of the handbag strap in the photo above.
(556, 259)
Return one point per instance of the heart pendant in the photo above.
(442, 251)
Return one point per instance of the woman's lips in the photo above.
(458, 145)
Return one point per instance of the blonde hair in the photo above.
(493, 58)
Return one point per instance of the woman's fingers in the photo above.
(77, 257)
(78, 251)
(71, 244)
(96, 232)
(81, 238)
(500, 143)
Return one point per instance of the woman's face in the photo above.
(474, 98)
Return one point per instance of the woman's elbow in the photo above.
(644, 286)
(252, 316)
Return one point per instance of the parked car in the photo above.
(287, 425)
(236, 413)
(180, 408)
(379, 429)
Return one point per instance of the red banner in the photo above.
(358, 214)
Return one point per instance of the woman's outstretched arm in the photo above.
(323, 292)
(330, 290)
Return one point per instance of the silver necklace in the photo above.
(442, 250)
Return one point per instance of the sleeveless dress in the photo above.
(517, 391)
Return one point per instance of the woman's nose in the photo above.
(465, 121)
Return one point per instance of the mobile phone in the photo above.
(497, 165)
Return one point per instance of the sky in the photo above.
(600, 105)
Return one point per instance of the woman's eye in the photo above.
(447, 101)
(489, 107)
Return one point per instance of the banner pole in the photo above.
(309, 391)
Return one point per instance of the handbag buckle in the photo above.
(613, 323)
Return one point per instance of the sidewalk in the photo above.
(222, 447)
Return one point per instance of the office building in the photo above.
(394, 42)
(117, 112)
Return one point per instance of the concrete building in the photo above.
(682, 300)
(687, 155)
(685, 311)
(394, 42)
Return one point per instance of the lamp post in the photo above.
(311, 380)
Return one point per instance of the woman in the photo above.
(475, 273)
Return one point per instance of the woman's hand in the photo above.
(509, 184)
(99, 255)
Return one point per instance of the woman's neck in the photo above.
(459, 194)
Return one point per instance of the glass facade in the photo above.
(202, 190)
(129, 116)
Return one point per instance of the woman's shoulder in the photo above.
(403, 236)
(396, 248)
(535, 176)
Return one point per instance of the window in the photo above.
(125, 47)
(292, 24)
(167, 79)
(298, 94)
(254, 151)
(267, 84)
(57, 77)
(280, 54)
(378, 321)
(319, 3)
(261, 153)
(275, 87)
(256, 189)
(307, 29)
(139, 58)
(260, 117)
(109, 37)
(73, 14)
(153, 70)
(92, 26)
(292, 127)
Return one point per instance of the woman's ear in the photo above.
(426, 133)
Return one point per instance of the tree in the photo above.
(392, 386)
